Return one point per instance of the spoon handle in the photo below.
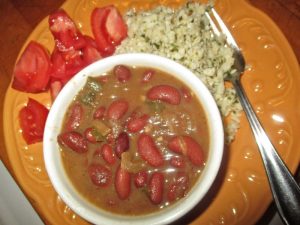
(285, 190)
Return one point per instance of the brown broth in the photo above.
(187, 118)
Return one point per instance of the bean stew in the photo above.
(134, 140)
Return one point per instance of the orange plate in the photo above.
(241, 193)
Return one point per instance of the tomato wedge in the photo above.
(31, 73)
(109, 29)
(66, 64)
(115, 26)
(73, 51)
(90, 52)
(98, 19)
(58, 69)
(55, 88)
(65, 32)
(32, 119)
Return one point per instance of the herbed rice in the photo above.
(185, 36)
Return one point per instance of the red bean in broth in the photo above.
(122, 73)
(117, 109)
(156, 187)
(108, 154)
(177, 161)
(186, 94)
(99, 112)
(122, 183)
(188, 146)
(122, 144)
(140, 179)
(75, 117)
(88, 133)
(74, 141)
(103, 79)
(100, 175)
(149, 151)
(178, 186)
(137, 124)
(165, 93)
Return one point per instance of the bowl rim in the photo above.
(53, 162)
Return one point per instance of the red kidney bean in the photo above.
(148, 151)
(100, 175)
(147, 75)
(88, 133)
(75, 117)
(182, 182)
(110, 138)
(74, 141)
(122, 73)
(104, 79)
(140, 179)
(156, 187)
(178, 187)
(99, 113)
(122, 144)
(117, 109)
(186, 94)
(165, 93)
(137, 124)
(178, 145)
(122, 183)
(188, 146)
(171, 192)
(177, 162)
(108, 154)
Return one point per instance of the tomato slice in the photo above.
(115, 26)
(90, 51)
(108, 28)
(31, 73)
(65, 32)
(66, 64)
(98, 20)
(58, 69)
(55, 88)
(90, 41)
(32, 119)
(67, 55)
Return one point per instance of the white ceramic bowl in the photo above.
(52, 155)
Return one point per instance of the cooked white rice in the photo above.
(185, 36)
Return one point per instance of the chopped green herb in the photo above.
(156, 45)
(147, 39)
(89, 98)
(97, 135)
(202, 24)
(93, 84)
(174, 47)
